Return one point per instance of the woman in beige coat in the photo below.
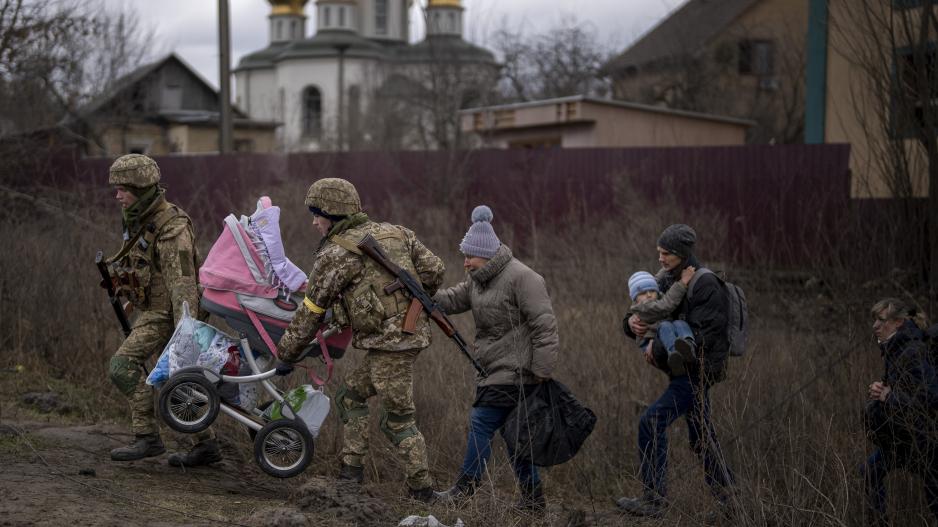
(516, 341)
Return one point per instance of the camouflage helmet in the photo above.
(334, 197)
(134, 170)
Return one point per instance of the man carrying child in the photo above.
(688, 394)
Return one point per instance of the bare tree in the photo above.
(893, 44)
(564, 60)
(418, 99)
(58, 55)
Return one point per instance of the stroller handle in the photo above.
(314, 344)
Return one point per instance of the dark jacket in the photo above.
(910, 375)
(706, 314)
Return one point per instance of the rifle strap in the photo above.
(161, 216)
(346, 244)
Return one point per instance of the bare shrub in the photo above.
(788, 416)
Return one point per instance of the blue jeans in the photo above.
(683, 397)
(484, 421)
(668, 332)
(877, 467)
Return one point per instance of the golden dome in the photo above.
(287, 7)
(444, 3)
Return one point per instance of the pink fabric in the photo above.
(224, 267)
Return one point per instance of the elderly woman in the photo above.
(516, 342)
(901, 409)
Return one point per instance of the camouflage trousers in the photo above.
(389, 375)
(151, 331)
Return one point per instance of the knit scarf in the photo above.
(136, 213)
(346, 223)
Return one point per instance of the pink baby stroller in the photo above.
(249, 282)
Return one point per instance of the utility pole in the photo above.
(341, 121)
(224, 79)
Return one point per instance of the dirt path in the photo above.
(63, 475)
(56, 470)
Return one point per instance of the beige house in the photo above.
(164, 108)
(870, 95)
(741, 58)
(578, 121)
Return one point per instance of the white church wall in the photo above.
(256, 93)
(294, 76)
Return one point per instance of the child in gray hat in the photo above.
(652, 308)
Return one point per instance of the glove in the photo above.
(283, 368)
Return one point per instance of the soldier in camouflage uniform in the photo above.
(341, 273)
(156, 270)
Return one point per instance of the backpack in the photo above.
(737, 327)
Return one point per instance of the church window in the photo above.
(451, 21)
(312, 111)
(342, 17)
(381, 17)
(326, 16)
(280, 30)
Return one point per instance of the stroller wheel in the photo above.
(283, 448)
(189, 402)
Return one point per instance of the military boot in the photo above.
(532, 498)
(146, 445)
(352, 473)
(203, 453)
(425, 495)
(464, 488)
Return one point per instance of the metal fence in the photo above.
(782, 205)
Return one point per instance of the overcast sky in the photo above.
(189, 27)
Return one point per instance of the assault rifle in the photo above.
(420, 300)
(108, 284)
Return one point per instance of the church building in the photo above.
(328, 90)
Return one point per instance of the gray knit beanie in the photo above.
(678, 239)
(480, 240)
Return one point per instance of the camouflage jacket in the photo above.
(350, 282)
(157, 267)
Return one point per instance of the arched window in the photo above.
(341, 16)
(312, 112)
(280, 30)
(326, 18)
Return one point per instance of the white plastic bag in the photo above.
(249, 392)
(181, 351)
(311, 405)
(315, 409)
(194, 343)
(216, 354)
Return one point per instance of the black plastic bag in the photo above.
(549, 426)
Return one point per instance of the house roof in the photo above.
(685, 30)
(129, 80)
(326, 43)
(612, 103)
(445, 48)
(183, 116)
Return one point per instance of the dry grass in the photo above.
(788, 415)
